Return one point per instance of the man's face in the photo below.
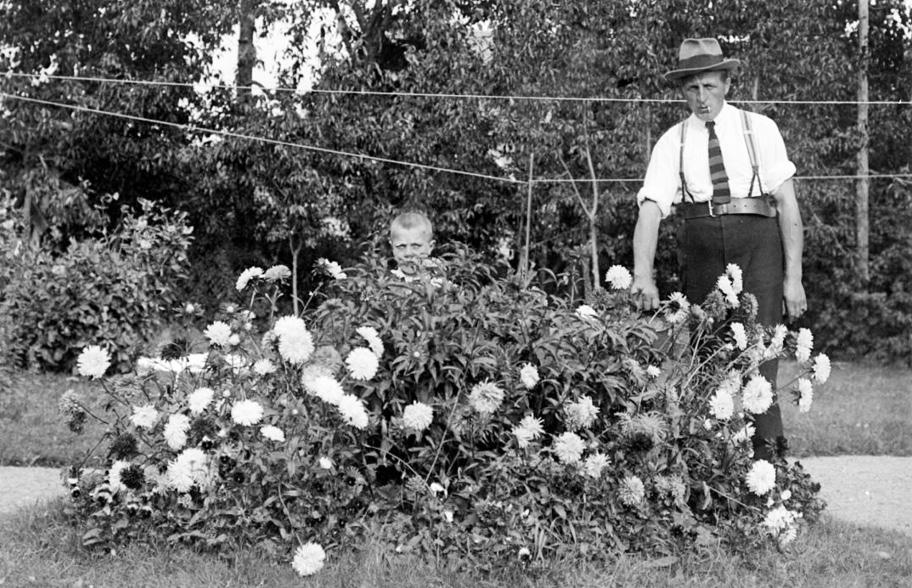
(410, 246)
(705, 93)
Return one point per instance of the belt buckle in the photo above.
(709, 206)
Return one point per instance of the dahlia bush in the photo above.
(477, 415)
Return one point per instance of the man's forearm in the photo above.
(645, 240)
(792, 230)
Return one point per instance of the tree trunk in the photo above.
(246, 49)
(862, 232)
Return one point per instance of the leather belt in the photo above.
(755, 205)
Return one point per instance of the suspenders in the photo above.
(748, 133)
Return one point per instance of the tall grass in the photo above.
(38, 547)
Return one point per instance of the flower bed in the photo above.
(475, 416)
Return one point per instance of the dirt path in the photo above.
(866, 490)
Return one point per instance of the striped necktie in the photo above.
(721, 192)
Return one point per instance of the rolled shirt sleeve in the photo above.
(662, 183)
(775, 166)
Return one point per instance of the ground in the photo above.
(866, 490)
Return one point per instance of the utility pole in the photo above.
(862, 187)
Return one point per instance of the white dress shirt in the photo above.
(663, 183)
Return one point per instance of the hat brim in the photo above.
(727, 64)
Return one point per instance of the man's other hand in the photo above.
(645, 294)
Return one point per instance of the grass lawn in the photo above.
(861, 410)
(39, 548)
(32, 431)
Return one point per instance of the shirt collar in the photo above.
(724, 118)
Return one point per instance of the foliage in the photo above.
(251, 202)
(434, 425)
(111, 290)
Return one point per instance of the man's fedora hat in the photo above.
(698, 56)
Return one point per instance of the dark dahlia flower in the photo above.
(132, 477)
(124, 446)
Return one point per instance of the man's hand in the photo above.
(645, 294)
(794, 300)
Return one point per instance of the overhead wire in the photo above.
(504, 179)
(469, 96)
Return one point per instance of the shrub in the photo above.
(112, 291)
(471, 414)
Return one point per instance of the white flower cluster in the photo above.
(331, 268)
(822, 368)
(295, 341)
(776, 342)
(199, 399)
(308, 559)
(93, 362)
(584, 311)
(176, 431)
(757, 395)
(631, 491)
(761, 478)
(581, 413)
(193, 363)
(619, 277)
(528, 376)
(114, 482)
(722, 405)
(804, 344)
(276, 273)
(486, 397)
(528, 430)
(247, 275)
(372, 337)
(733, 271)
(264, 367)
(725, 286)
(781, 523)
(740, 335)
(417, 416)
(273, 433)
(327, 389)
(677, 308)
(218, 333)
(246, 412)
(568, 448)
(595, 464)
(362, 363)
(144, 417)
(189, 468)
(731, 284)
(805, 394)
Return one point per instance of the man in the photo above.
(734, 212)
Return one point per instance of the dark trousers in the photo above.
(707, 245)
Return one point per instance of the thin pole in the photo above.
(862, 194)
(526, 252)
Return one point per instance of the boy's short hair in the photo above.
(411, 220)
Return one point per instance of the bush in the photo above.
(111, 291)
(472, 415)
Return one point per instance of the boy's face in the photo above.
(410, 247)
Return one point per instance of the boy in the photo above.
(412, 241)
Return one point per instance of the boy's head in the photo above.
(412, 240)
